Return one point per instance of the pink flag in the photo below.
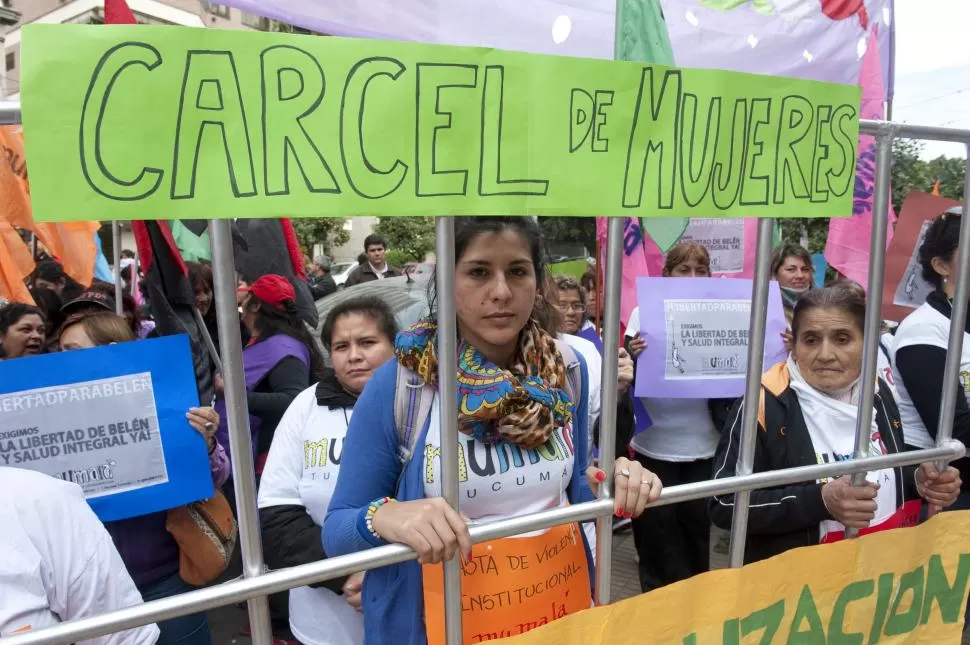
(634, 263)
(847, 248)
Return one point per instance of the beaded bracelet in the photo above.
(371, 511)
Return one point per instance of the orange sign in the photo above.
(513, 585)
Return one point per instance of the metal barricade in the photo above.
(256, 584)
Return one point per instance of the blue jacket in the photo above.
(393, 600)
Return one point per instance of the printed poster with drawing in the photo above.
(696, 331)
(913, 289)
(110, 419)
(724, 240)
(904, 288)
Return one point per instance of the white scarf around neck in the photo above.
(839, 408)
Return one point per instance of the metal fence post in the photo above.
(116, 253)
(752, 386)
(608, 398)
(958, 317)
(873, 323)
(240, 442)
(448, 407)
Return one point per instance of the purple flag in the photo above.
(697, 336)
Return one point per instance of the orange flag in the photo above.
(72, 243)
(16, 263)
(936, 188)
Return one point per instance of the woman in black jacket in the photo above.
(807, 415)
(303, 463)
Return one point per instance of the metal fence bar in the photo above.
(116, 254)
(752, 387)
(448, 407)
(912, 131)
(958, 318)
(873, 322)
(608, 400)
(10, 113)
(275, 581)
(240, 442)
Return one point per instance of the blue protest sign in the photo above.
(111, 419)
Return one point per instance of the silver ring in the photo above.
(209, 425)
(624, 473)
(645, 482)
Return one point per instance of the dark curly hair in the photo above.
(940, 241)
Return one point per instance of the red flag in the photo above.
(116, 12)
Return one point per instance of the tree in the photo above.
(411, 237)
(579, 230)
(910, 172)
(328, 231)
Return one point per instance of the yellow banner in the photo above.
(902, 586)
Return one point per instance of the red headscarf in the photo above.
(274, 290)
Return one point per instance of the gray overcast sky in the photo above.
(933, 67)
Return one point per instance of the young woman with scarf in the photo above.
(303, 464)
(807, 415)
(519, 426)
(920, 345)
(148, 550)
(673, 542)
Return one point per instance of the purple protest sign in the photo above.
(697, 336)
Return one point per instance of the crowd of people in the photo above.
(347, 441)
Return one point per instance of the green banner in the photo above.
(130, 122)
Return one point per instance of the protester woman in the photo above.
(588, 282)
(200, 274)
(23, 330)
(791, 266)
(148, 550)
(673, 542)
(920, 346)
(303, 464)
(806, 416)
(278, 361)
(50, 274)
(572, 303)
(517, 442)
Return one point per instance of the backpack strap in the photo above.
(574, 386)
(412, 407)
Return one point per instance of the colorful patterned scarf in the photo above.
(523, 404)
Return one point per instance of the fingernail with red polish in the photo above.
(600, 476)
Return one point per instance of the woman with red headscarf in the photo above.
(279, 361)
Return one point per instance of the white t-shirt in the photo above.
(301, 470)
(502, 480)
(924, 326)
(594, 371)
(831, 426)
(58, 561)
(884, 368)
(682, 429)
(378, 272)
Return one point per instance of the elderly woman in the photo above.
(807, 415)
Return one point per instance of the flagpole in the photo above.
(116, 252)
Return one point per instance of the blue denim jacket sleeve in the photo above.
(369, 466)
